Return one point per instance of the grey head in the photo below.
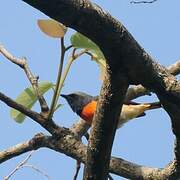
(77, 100)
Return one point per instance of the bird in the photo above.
(84, 105)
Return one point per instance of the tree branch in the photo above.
(49, 125)
(80, 128)
(19, 166)
(174, 69)
(37, 170)
(143, 2)
(33, 144)
(119, 47)
(22, 62)
(139, 90)
(124, 56)
(73, 147)
(104, 126)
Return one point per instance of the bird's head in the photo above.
(77, 100)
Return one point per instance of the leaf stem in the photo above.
(57, 88)
(71, 59)
(61, 79)
(69, 47)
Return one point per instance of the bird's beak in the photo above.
(64, 96)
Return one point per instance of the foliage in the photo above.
(55, 29)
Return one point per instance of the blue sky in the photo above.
(147, 140)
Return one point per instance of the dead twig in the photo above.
(22, 62)
(143, 2)
(37, 170)
(19, 166)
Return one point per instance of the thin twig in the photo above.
(68, 47)
(143, 2)
(71, 60)
(19, 166)
(22, 62)
(78, 166)
(37, 170)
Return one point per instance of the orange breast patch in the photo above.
(88, 112)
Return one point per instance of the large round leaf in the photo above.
(52, 28)
(80, 41)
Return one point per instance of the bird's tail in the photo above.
(153, 105)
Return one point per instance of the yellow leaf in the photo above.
(52, 28)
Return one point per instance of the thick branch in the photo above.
(174, 69)
(74, 148)
(119, 47)
(80, 128)
(49, 125)
(104, 127)
(21, 148)
(139, 90)
(122, 52)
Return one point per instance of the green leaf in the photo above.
(28, 98)
(80, 41)
(101, 64)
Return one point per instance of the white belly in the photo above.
(129, 112)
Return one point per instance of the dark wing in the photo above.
(125, 102)
(141, 115)
(131, 103)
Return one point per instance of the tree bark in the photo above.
(124, 57)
